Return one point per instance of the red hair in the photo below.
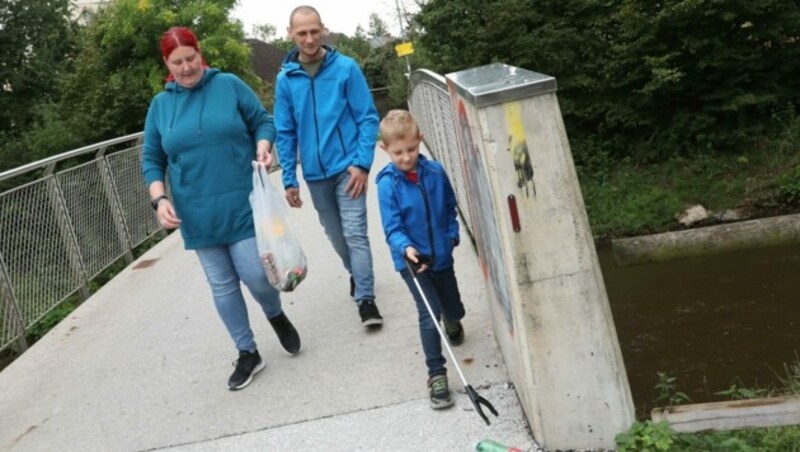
(176, 37)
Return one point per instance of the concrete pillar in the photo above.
(549, 305)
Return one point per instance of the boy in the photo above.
(418, 213)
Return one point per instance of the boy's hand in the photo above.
(413, 256)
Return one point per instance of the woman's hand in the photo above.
(166, 215)
(264, 153)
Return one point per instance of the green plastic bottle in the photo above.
(488, 445)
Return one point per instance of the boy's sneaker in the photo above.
(370, 316)
(352, 287)
(286, 332)
(455, 332)
(439, 392)
(247, 365)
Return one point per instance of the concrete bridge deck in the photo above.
(143, 365)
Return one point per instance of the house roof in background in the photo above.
(266, 58)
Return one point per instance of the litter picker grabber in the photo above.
(476, 399)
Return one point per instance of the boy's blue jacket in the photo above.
(330, 118)
(206, 136)
(422, 214)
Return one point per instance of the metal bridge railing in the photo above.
(82, 210)
(78, 213)
(429, 102)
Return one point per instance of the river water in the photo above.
(711, 322)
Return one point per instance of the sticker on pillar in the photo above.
(481, 210)
(518, 149)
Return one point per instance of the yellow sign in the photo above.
(404, 49)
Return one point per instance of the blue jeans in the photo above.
(441, 291)
(345, 222)
(225, 267)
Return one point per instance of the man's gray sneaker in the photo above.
(370, 316)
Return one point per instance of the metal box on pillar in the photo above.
(550, 310)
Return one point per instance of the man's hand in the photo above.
(357, 185)
(293, 197)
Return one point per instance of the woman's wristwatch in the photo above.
(154, 202)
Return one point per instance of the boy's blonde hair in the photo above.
(398, 124)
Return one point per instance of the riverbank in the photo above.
(628, 198)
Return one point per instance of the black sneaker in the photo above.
(370, 316)
(286, 333)
(247, 365)
(352, 287)
(439, 392)
(455, 332)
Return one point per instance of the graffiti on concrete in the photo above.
(481, 209)
(518, 148)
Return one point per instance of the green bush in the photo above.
(636, 78)
(50, 320)
(646, 436)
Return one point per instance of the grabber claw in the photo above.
(477, 401)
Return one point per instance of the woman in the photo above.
(206, 128)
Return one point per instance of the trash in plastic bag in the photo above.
(281, 255)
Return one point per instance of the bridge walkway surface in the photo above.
(143, 365)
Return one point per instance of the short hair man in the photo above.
(325, 116)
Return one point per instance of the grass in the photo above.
(628, 198)
(65, 308)
(649, 436)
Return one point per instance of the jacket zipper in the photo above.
(316, 124)
(428, 217)
(341, 141)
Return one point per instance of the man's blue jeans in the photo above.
(225, 267)
(345, 222)
(441, 291)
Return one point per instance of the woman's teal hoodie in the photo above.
(205, 136)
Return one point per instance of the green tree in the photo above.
(117, 68)
(264, 32)
(356, 46)
(636, 78)
(377, 27)
(36, 39)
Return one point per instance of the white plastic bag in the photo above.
(278, 248)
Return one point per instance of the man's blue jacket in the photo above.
(329, 120)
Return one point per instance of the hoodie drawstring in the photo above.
(177, 91)
(202, 106)
(174, 108)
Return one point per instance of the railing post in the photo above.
(68, 236)
(551, 314)
(114, 203)
(11, 311)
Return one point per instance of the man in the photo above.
(324, 114)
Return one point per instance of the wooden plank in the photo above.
(766, 412)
